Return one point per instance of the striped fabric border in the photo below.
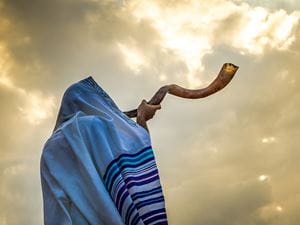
(134, 185)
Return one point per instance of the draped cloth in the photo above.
(98, 166)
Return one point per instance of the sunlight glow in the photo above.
(163, 77)
(35, 107)
(279, 208)
(175, 27)
(263, 177)
(4, 67)
(268, 140)
(5, 81)
(189, 30)
(132, 57)
(262, 29)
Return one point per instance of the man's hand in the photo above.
(146, 112)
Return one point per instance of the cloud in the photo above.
(261, 29)
(193, 29)
(34, 106)
(132, 57)
(231, 158)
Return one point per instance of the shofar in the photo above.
(225, 75)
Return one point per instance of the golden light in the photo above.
(4, 67)
(263, 177)
(133, 58)
(189, 30)
(35, 106)
(175, 27)
(260, 29)
(5, 81)
(266, 140)
(279, 208)
(163, 77)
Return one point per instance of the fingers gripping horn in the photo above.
(224, 77)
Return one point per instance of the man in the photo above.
(98, 166)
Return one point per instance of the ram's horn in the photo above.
(225, 75)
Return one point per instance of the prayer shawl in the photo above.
(98, 166)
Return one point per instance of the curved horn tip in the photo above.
(232, 65)
(229, 68)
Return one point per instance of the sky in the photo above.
(228, 159)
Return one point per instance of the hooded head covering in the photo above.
(89, 98)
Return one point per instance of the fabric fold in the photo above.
(98, 166)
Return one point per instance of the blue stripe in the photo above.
(146, 193)
(119, 201)
(122, 155)
(128, 160)
(120, 204)
(119, 164)
(149, 202)
(143, 176)
(117, 183)
(135, 219)
(129, 212)
(153, 212)
(123, 164)
(117, 187)
(118, 172)
(143, 182)
(137, 169)
(165, 222)
(155, 218)
(141, 169)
